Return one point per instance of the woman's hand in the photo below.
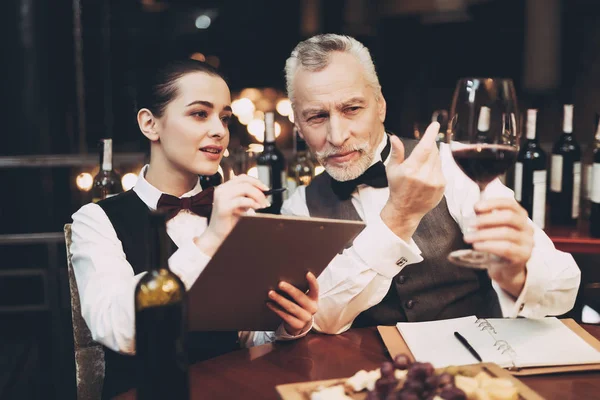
(231, 200)
(296, 314)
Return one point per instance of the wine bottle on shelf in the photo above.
(594, 186)
(530, 174)
(107, 182)
(483, 124)
(160, 323)
(565, 175)
(207, 181)
(270, 165)
(586, 179)
(301, 169)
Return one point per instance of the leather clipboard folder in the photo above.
(395, 345)
(262, 249)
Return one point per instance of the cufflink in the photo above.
(401, 262)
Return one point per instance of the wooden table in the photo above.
(254, 373)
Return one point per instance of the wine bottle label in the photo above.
(595, 185)
(539, 198)
(107, 155)
(556, 173)
(291, 186)
(264, 175)
(587, 183)
(518, 180)
(576, 189)
(284, 181)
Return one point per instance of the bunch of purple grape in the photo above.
(421, 382)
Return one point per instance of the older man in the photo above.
(412, 197)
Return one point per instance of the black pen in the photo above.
(273, 191)
(464, 342)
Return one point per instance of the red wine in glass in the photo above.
(484, 162)
(483, 137)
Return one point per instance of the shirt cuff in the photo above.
(282, 334)
(188, 262)
(383, 251)
(528, 304)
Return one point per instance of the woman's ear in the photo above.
(148, 124)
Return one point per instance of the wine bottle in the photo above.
(483, 124)
(586, 180)
(107, 182)
(565, 174)
(207, 181)
(594, 190)
(160, 323)
(270, 165)
(530, 174)
(301, 169)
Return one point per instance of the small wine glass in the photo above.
(484, 139)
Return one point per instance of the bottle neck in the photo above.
(159, 244)
(106, 155)
(568, 119)
(269, 128)
(531, 124)
(483, 123)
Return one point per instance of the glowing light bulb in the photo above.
(84, 181)
(128, 180)
(284, 107)
(253, 172)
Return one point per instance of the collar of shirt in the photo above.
(150, 195)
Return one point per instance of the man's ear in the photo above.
(148, 124)
(381, 108)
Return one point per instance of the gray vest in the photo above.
(430, 290)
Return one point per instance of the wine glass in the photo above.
(484, 140)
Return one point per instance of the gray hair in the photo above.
(313, 54)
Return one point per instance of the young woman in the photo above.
(184, 112)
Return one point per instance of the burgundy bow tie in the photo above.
(200, 204)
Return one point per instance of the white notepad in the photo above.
(507, 342)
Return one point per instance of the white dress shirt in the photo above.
(106, 280)
(361, 276)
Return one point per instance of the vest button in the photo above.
(410, 304)
(402, 279)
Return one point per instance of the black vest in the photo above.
(129, 216)
(430, 290)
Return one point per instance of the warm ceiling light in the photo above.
(243, 106)
(213, 60)
(245, 119)
(251, 93)
(256, 128)
(128, 180)
(198, 57)
(253, 172)
(84, 181)
(256, 148)
(284, 107)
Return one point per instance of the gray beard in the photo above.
(352, 170)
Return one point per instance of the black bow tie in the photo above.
(374, 176)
